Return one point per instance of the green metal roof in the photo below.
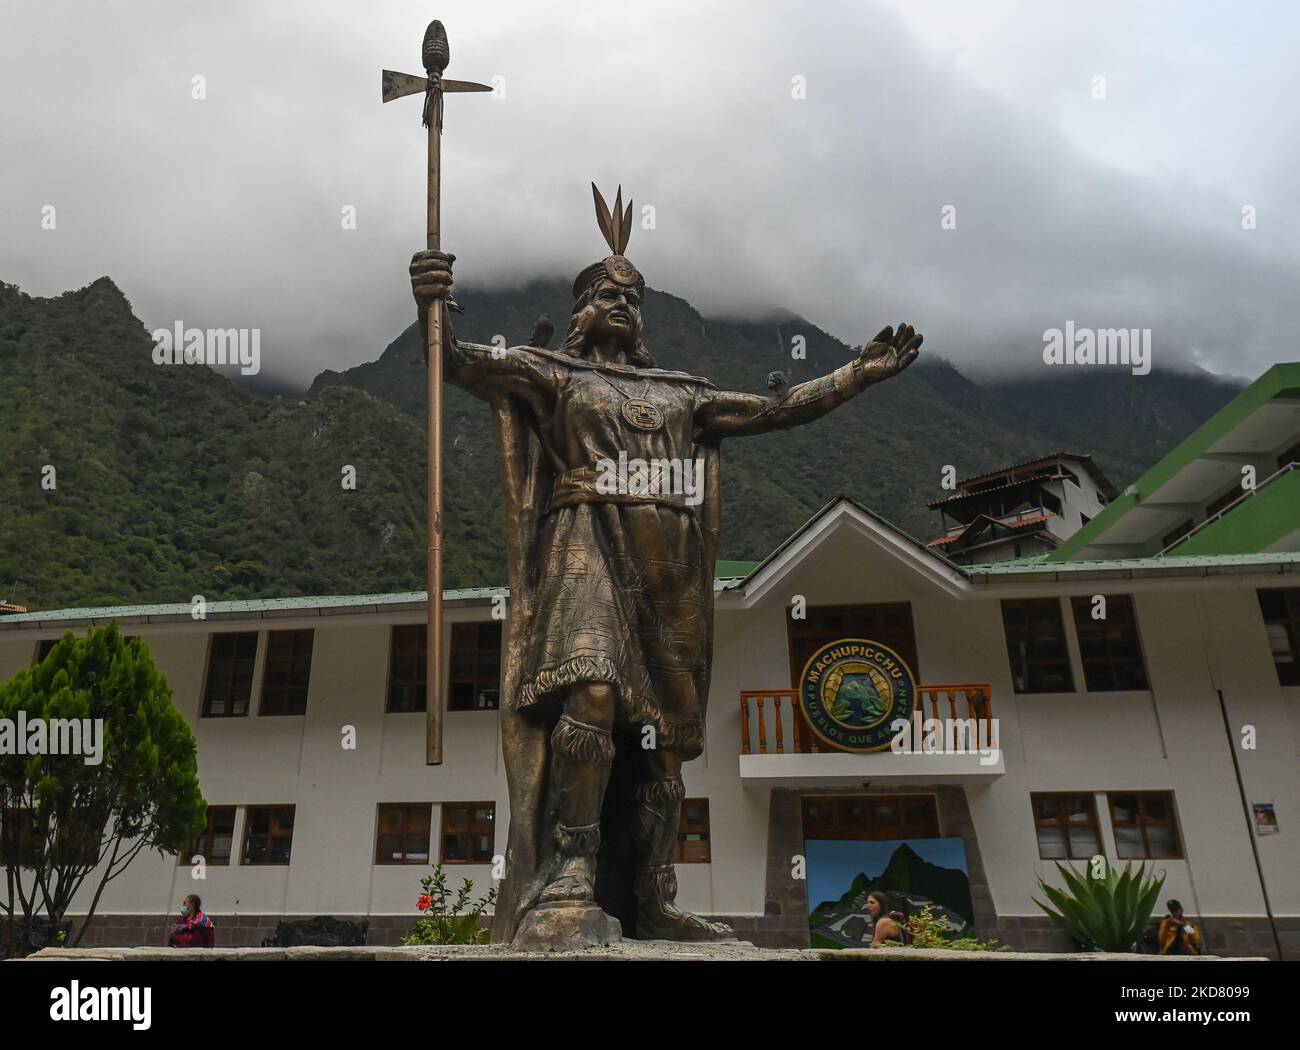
(1040, 565)
(1282, 380)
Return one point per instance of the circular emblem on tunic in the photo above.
(853, 691)
(620, 270)
(641, 414)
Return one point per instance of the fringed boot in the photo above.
(658, 809)
(581, 756)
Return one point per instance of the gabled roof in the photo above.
(845, 510)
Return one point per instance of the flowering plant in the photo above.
(447, 921)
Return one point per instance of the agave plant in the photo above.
(1106, 912)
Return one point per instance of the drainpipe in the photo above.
(1250, 820)
(1236, 769)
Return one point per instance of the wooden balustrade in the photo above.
(965, 701)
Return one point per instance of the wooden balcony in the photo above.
(778, 749)
(771, 722)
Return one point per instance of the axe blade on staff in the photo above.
(436, 56)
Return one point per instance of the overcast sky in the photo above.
(1122, 211)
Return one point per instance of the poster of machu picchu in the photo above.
(911, 873)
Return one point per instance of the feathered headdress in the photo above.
(617, 228)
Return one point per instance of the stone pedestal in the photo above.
(566, 926)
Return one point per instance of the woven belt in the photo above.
(579, 486)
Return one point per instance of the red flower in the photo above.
(425, 902)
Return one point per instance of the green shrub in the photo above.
(935, 931)
(1103, 909)
(449, 923)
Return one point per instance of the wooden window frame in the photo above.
(276, 832)
(404, 834)
(201, 845)
(810, 632)
(1288, 674)
(418, 682)
(841, 828)
(472, 828)
(206, 710)
(275, 698)
(1030, 662)
(1085, 626)
(697, 851)
(1063, 822)
(477, 682)
(1143, 822)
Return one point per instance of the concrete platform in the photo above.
(628, 951)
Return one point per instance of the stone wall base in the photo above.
(1222, 935)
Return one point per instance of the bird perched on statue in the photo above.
(777, 382)
(542, 332)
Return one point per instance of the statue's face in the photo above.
(616, 314)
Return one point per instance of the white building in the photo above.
(1204, 653)
(1121, 736)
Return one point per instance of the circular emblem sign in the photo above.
(852, 691)
(642, 415)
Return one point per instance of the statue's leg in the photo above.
(582, 751)
(658, 809)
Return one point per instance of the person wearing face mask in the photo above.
(194, 929)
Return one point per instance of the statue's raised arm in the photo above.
(488, 372)
(729, 413)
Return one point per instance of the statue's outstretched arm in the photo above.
(730, 413)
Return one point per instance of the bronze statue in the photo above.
(610, 624)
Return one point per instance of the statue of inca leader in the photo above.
(610, 623)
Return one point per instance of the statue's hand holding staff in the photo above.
(890, 351)
(430, 277)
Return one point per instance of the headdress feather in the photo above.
(617, 228)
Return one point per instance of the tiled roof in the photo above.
(1038, 519)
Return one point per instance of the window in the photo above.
(18, 838)
(889, 623)
(403, 836)
(1040, 662)
(468, 832)
(870, 817)
(1110, 649)
(215, 842)
(693, 832)
(288, 670)
(1066, 826)
(268, 834)
(407, 690)
(43, 648)
(1144, 825)
(230, 675)
(475, 666)
(1281, 609)
(1214, 506)
(78, 842)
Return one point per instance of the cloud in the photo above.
(1115, 212)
